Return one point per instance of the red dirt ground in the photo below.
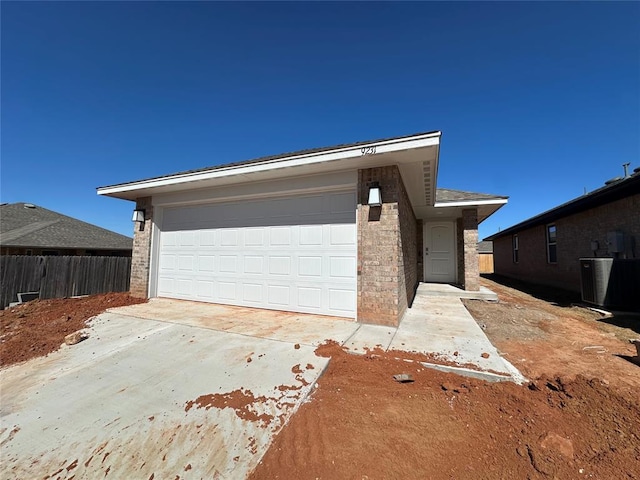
(38, 328)
(579, 418)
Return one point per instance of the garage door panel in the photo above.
(252, 292)
(206, 263)
(280, 236)
(184, 286)
(228, 264)
(310, 266)
(341, 300)
(229, 238)
(205, 289)
(342, 234)
(226, 255)
(310, 297)
(279, 295)
(311, 235)
(254, 265)
(280, 265)
(227, 291)
(207, 238)
(167, 262)
(169, 239)
(254, 237)
(186, 263)
(165, 285)
(342, 267)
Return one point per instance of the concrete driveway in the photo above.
(176, 389)
(143, 398)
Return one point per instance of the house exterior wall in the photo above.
(467, 250)
(420, 249)
(574, 236)
(139, 286)
(408, 250)
(387, 248)
(470, 245)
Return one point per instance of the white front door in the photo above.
(439, 252)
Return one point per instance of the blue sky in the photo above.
(537, 101)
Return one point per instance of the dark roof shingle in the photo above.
(611, 192)
(270, 158)
(485, 246)
(447, 195)
(28, 225)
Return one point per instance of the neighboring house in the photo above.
(27, 229)
(348, 230)
(546, 249)
(485, 256)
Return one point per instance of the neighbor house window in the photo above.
(552, 254)
(515, 249)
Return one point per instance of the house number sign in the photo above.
(368, 150)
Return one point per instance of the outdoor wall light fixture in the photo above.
(375, 199)
(138, 216)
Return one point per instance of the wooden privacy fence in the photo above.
(59, 277)
(485, 262)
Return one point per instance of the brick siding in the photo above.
(470, 244)
(387, 249)
(574, 235)
(141, 257)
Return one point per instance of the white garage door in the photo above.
(294, 253)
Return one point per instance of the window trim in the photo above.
(515, 248)
(553, 243)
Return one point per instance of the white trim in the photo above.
(471, 203)
(388, 146)
(282, 187)
(154, 254)
(548, 242)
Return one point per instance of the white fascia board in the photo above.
(387, 146)
(472, 203)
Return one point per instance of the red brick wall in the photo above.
(387, 249)
(574, 236)
(139, 286)
(408, 253)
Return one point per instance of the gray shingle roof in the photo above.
(485, 246)
(24, 226)
(612, 191)
(446, 195)
(276, 157)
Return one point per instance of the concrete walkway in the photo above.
(437, 323)
(172, 388)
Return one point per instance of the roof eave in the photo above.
(577, 205)
(339, 158)
(472, 203)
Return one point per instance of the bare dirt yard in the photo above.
(38, 328)
(579, 417)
